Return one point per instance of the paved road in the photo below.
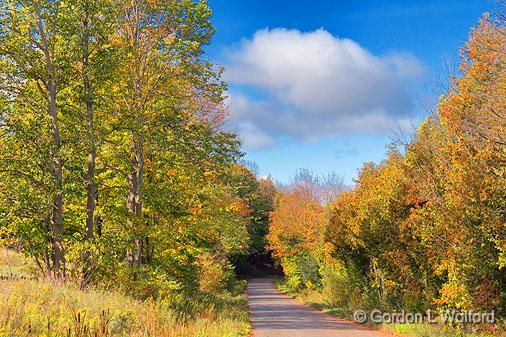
(276, 315)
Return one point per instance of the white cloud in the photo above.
(254, 138)
(314, 84)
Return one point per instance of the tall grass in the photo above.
(431, 330)
(42, 308)
(30, 307)
(13, 264)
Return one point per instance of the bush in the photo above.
(301, 271)
(216, 273)
(341, 287)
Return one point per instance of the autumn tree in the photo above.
(473, 114)
(34, 78)
(297, 228)
(259, 196)
(112, 145)
(423, 229)
(162, 43)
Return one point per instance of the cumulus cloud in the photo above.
(312, 85)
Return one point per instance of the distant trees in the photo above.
(425, 228)
(297, 227)
(259, 196)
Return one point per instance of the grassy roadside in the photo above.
(315, 299)
(42, 308)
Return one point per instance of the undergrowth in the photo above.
(36, 307)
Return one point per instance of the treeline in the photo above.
(114, 166)
(425, 228)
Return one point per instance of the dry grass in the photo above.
(42, 308)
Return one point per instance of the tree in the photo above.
(34, 76)
(93, 62)
(112, 143)
(259, 196)
(162, 43)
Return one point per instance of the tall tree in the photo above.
(33, 76)
(89, 28)
(163, 41)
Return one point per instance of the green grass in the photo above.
(30, 307)
(13, 264)
(431, 330)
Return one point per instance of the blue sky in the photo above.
(323, 84)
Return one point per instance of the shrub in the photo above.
(301, 271)
(339, 287)
(216, 273)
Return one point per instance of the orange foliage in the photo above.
(297, 225)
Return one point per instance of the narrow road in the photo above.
(276, 315)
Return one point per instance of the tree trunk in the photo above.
(134, 202)
(57, 167)
(92, 152)
(136, 256)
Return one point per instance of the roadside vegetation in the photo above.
(44, 307)
(423, 229)
(316, 299)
